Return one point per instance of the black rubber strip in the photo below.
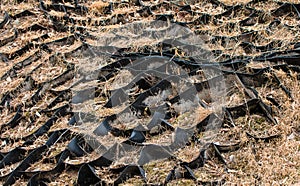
(5, 20)
(87, 175)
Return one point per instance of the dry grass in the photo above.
(256, 162)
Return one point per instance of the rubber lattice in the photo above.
(39, 41)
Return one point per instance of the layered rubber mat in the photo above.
(148, 128)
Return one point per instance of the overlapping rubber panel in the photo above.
(40, 43)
